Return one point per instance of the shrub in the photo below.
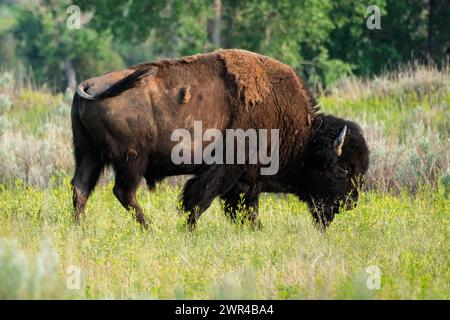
(34, 160)
(6, 81)
(420, 159)
(31, 99)
(27, 277)
(5, 103)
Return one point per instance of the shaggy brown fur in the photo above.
(126, 119)
(248, 72)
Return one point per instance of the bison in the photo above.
(126, 119)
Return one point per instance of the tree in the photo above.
(174, 27)
(56, 53)
(438, 33)
(410, 29)
(322, 39)
(294, 32)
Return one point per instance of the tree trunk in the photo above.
(70, 74)
(431, 45)
(228, 41)
(217, 22)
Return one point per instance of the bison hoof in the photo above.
(256, 225)
(143, 222)
(191, 222)
(322, 225)
(145, 225)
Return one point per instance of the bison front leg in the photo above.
(126, 194)
(240, 199)
(322, 215)
(200, 191)
(125, 191)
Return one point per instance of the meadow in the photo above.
(399, 231)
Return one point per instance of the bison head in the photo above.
(333, 168)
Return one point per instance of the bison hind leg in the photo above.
(87, 173)
(88, 163)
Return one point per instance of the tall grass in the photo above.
(422, 80)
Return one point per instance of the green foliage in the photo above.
(176, 27)
(6, 19)
(296, 34)
(323, 40)
(46, 44)
(408, 31)
(8, 55)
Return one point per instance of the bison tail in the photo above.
(123, 84)
(82, 141)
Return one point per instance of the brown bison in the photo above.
(126, 119)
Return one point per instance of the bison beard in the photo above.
(125, 119)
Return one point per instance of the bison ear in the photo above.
(339, 141)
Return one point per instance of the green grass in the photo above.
(405, 236)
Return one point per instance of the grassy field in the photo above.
(405, 237)
(399, 231)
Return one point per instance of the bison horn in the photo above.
(339, 142)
